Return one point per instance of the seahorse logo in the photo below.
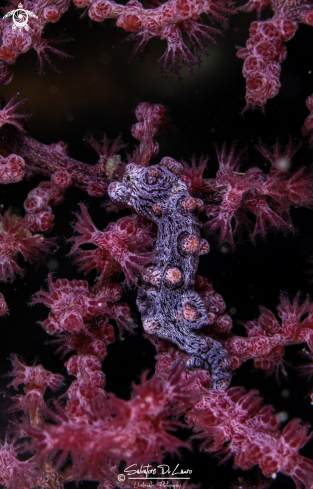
(20, 17)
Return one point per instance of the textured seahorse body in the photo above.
(169, 306)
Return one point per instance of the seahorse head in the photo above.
(148, 190)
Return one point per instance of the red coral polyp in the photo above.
(71, 304)
(36, 377)
(15, 238)
(123, 246)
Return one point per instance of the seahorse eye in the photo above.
(127, 178)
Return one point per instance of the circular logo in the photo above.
(20, 18)
(121, 477)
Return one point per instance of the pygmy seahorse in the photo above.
(169, 305)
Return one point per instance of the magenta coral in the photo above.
(171, 21)
(233, 196)
(71, 304)
(16, 238)
(11, 169)
(265, 51)
(307, 128)
(123, 246)
(3, 306)
(235, 424)
(35, 381)
(8, 114)
(266, 338)
(15, 43)
(136, 430)
(168, 22)
(15, 473)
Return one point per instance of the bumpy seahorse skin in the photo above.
(169, 306)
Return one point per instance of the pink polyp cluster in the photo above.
(71, 304)
(14, 472)
(3, 306)
(171, 21)
(122, 246)
(89, 384)
(235, 424)
(33, 378)
(219, 321)
(35, 381)
(91, 340)
(252, 202)
(11, 169)
(137, 430)
(167, 21)
(264, 51)
(17, 238)
(39, 214)
(307, 128)
(267, 338)
(19, 41)
(263, 54)
(152, 121)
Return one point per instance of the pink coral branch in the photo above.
(250, 433)
(15, 238)
(307, 128)
(265, 51)
(44, 48)
(268, 197)
(234, 424)
(3, 306)
(167, 21)
(9, 116)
